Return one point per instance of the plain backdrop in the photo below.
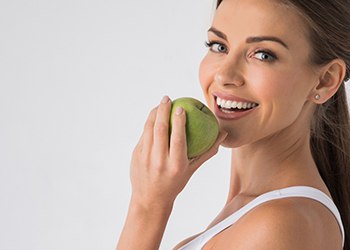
(77, 81)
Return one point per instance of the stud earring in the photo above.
(317, 97)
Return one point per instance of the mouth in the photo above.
(233, 108)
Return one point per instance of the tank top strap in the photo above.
(294, 191)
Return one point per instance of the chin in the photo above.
(232, 142)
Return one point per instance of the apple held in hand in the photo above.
(202, 128)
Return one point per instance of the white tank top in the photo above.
(295, 191)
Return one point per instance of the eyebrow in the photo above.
(218, 33)
(254, 39)
(257, 39)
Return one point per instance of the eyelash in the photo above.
(267, 52)
(210, 44)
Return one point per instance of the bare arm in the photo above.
(144, 228)
(158, 174)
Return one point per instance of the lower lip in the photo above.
(232, 115)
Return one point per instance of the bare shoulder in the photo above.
(184, 242)
(293, 223)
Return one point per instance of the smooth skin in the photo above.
(158, 175)
(270, 146)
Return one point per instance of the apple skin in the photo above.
(202, 127)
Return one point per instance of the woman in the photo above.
(290, 173)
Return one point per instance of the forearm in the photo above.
(144, 228)
(160, 169)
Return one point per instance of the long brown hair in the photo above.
(328, 22)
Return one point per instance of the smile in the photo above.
(234, 106)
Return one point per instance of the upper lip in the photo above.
(230, 97)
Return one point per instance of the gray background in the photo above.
(77, 81)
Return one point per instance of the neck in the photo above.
(273, 163)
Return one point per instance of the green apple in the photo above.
(202, 127)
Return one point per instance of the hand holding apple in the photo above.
(160, 168)
(202, 127)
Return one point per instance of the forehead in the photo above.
(259, 17)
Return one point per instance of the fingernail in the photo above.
(165, 99)
(179, 110)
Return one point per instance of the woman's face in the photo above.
(256, 76)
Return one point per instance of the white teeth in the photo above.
(218, 101)
(224, 104)
(233, 104)
(228, 104)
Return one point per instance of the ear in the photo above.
(331, 77)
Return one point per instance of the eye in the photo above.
(216, 47)
(265, 56)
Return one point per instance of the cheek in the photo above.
(206, 75)
(272, 89)
(282, 95)
(278, 86)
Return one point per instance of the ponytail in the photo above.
(330, 147)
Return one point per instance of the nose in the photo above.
(230, 73)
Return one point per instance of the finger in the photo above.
(161, 128)
(178, 145)
(146, 139)
(197, 162)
